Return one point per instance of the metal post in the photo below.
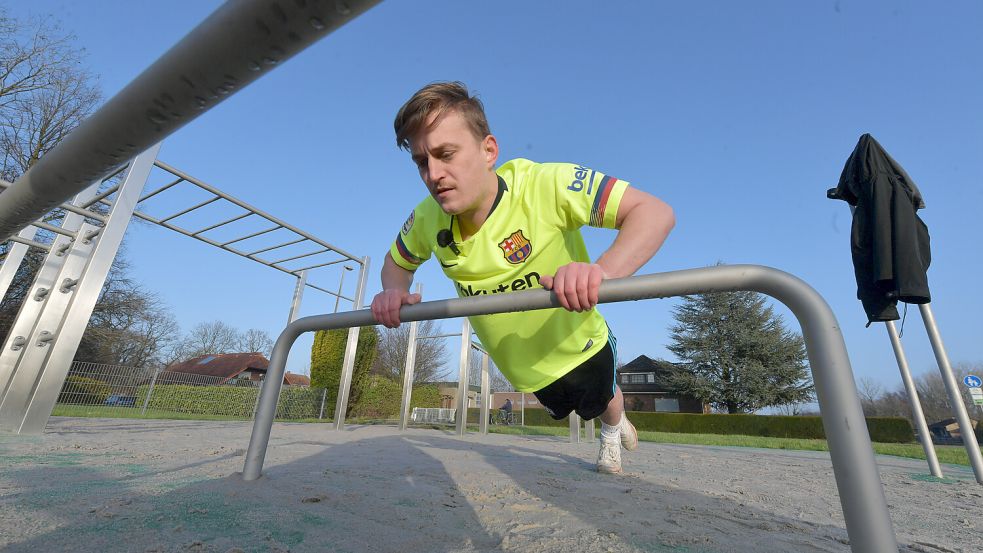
(589, 430)
(324, 397)
(862, 498)
(408, 369)
(341, 281)
(485, 396)
(349, 363)
(11, 262)
(298, 297)
(150, 392)
(955, 397)
(574, 419)
(258, 395)
(233, 47)
(462, 379)
(42, 370)
(916, 405)
(523, 421)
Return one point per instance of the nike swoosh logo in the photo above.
(446, 266)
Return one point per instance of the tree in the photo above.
(327, 357)
(256, 340)
(431, 353)
(736, 353)
(210, 338)
(44, 91)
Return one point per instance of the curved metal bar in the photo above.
(857, 479)
(234, 46)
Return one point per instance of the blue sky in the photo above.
(738, 114)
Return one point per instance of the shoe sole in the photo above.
(608, 471)
(630, 442)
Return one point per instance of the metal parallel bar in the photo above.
(253, 235)
(277, 262)
(348, 364)
(439, 336)
(101, 197)
(955, 397)
(52, 228)
(190, 209)
(461, 422)
(916, 405)
(285, 244)
(408, 369)
(84, 212)
(167, 186)
(215, 226)
(30, 243)
(862, 498)
(234, 46)
(244, 205)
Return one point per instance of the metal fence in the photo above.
(95, 389)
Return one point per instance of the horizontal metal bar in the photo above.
(456, 334)
(298, 257)
(285, 244)
(161, 189)
(53, 228)
(253, 235)
(31, 243)
(177, 172)
(101, 197)
(69, 207)
(190, 209)
(234, 46)
(322, 265)
(215, 226)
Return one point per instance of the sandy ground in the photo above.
(156, 486)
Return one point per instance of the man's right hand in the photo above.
(386, 304)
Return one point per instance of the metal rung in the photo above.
(190, 209)
(232, 220)
(54, 229)
(319, 265)
(100, 198)
(298, 257)
(253, 235)
(159, 190)
(30, 243)
(298, 241)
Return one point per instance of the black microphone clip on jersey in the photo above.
(445, 238)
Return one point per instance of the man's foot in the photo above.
(609, 458)
(629, 436)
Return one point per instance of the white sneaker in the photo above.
(629, 436)
(609, 458)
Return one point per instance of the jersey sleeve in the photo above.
(409, 250)
(582, 196)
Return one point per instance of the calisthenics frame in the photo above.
(865, 511)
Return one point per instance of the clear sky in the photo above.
(738, 114)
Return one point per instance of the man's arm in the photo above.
(643, 223)
(395, 293)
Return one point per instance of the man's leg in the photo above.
(615, 428)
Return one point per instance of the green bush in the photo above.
(81, 390)
(382, 397)
(327, 357)
(233, 401)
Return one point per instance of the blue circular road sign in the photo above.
(973, 381)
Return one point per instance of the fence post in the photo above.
(324, 396)
(153, 381)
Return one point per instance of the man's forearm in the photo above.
(394, 276)
(641, 234)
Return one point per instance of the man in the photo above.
(506, 410)
(514, 228)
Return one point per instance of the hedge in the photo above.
(381, 398)
(81, 390)
(881, 429)
(234, 401)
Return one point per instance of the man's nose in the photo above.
(436, 171)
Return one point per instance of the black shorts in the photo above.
(587, 389)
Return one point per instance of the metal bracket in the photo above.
(68, 284)
(41, 294)
(18, 343)
(44, 338)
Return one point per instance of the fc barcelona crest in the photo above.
(516, 247)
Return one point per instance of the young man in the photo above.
(514, 228)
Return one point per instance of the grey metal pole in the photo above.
(341, 281)
(324, 397)
(461, 424)
(348, 366)
(408, 369)
(150, 391)
(485, 396)
(234, 46)
(298, 297)
(523, 421)
(916, 405)
(574, 420)
(955, 397)
(865, 511)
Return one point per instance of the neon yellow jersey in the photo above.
(533, 229)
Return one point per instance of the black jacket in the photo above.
(890, 243)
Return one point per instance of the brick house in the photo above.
(230, 367)
(645, 385)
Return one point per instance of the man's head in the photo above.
(444, 128)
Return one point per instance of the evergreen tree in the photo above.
(328, 355)
(736, 354)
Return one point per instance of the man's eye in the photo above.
(446, 155)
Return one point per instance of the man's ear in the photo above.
(490, 147)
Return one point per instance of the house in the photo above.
(645, 385)
(448, 395)
(293, 379)
(225, 368)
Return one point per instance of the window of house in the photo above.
(650, 378)
(667, 405)
(638, 379)
(624, 379)
(205, 360)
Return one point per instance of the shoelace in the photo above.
(609, 451)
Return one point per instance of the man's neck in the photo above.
(471, 221)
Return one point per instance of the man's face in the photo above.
(454, 164)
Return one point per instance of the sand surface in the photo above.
(135, 485)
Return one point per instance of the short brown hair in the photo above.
(438, 99)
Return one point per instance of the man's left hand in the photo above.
(575, 285)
